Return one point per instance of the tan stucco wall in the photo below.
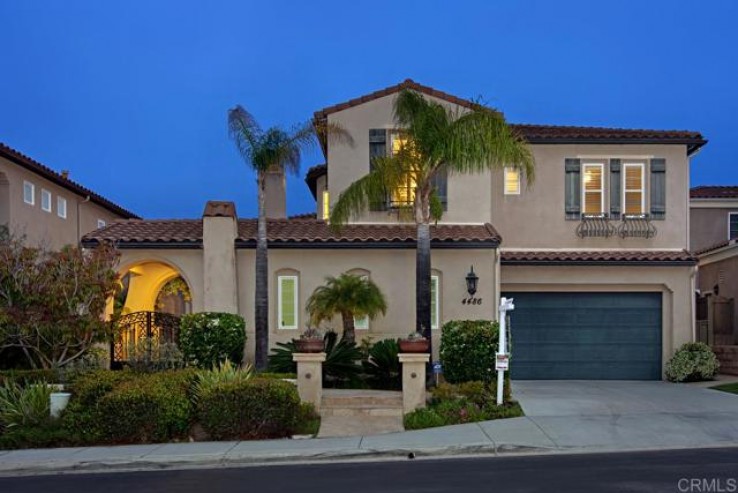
(675, 283)
(709, 226)
(393, 271)
(39, 226)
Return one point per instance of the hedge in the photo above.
(207, 339)
(257, 408)
(468, 350)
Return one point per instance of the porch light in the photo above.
(471, 282)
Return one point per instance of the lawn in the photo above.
(728, 387)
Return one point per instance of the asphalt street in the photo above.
(694, 471)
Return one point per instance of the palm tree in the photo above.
(349, 296)
(433, 140)
(273, 149)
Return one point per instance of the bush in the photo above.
(253, 409)
(468, 350)
(209, 338)
(24, 406)
(50, 434)
(692, 362)
(25, 377)
(226, 372)
(382, 365)
(146, 355)
(130, 407)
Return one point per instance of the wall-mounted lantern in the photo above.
(471, 282)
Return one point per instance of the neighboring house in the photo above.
(47, 207)
(595, 252)
(714, 239)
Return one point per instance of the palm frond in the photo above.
(244, 131)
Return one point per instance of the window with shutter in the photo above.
(633, 192)
(572, 199)
(440, 185)
(287, 302)
(733, 225)
(435, 302)
(658, 188)
(377, 148)
(593, 188)
(615, 188)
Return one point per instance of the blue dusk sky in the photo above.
(132, 96)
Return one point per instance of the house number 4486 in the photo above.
(471, 301)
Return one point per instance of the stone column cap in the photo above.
(309, 357)
(414, 357)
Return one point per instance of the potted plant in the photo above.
(59, 397)
(414, 343)
(310, 341)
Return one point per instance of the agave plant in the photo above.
(24, 406)
(225, 372)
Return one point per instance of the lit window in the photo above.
(326, 206)
(101, 223)
(733, 225)
(287, 302)
(512, 181)
(45, 200)
(29, 193)
(594, 197)
(435, 302)
(404, 195)
(362, 323)
(61, 207)
(633, 189)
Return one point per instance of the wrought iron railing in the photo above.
(595, 226)
(636, 226)
(142, 331)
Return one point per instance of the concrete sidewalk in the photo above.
(561, 417)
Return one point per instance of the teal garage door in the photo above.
(586, 336)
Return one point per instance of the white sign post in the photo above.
(502, 358)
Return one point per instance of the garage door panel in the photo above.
(579, 335)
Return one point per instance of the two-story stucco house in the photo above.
(47, 207)
(595, 252)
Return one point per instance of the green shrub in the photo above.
(423, 418)
(308, 420)
(225, 372)
(692, 362)
(51, 434)
(382, 365)
(257, 408)
(209, 338)
(24, 406)
(277, 376)
(130, 407)
(340, 362)
(468, 350)
(145, 355)
(25, 377)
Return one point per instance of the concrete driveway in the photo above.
(621, 415)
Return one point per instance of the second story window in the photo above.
(512, 181)
(633, 191)
(101, 223)
(733, 225)
(61, 207)
(45, 200)
(29, 193)
(593, 188)
(326, 212)
(404, 195)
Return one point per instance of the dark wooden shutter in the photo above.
(440, 184)
(377, 148)
(616, 188)
(658, 188)
(573, 189)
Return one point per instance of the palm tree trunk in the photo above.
(349, 335)
(261, 301)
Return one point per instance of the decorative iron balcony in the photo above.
(595, 226)
(636, 226)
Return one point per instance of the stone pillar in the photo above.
(413, 380)
(310, 377)
(219, 232)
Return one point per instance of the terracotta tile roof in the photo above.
(62, 180)
(188, 233)
(604, 257)
(716, 246)
(714, 192)
(304, 215)
(539, 134)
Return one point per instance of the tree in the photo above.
(349, 296)
(270, 150)
(434, 140)
(52, 304)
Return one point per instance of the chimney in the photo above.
(219, 233)
(275, 192)
(65, 173)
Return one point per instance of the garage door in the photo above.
(586, 336)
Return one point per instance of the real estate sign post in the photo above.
(502, 359)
